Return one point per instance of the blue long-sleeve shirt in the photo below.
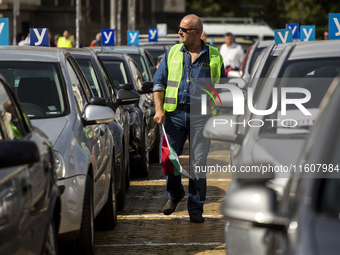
(195, 71)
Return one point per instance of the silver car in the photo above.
(57, 98)
(29, 196)
(308, 65)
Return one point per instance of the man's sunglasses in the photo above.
(185, 30)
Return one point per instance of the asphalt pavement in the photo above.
(143, 229)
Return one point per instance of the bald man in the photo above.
(185, 67)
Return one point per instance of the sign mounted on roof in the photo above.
(108, 37)
(162, 29)
(334, 26)
(283, 36)
(133, 37)
(307, 33)
(295, 29)
(39, 37)
(4, 31)
(153, 34)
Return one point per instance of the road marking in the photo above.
(210, 156)
(167, 196)
(161, 244)
(164, 216)
(184, 179)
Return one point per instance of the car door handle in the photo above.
(101, 132)
(24, 187)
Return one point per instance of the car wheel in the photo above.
(122, 192)
(144, 161)
(50, 246)
(107, 218)
(128, 173)
(154, 153)
(85, 242)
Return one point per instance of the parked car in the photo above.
(299, 65)
(249, 60)
(144, 132)
(142, 57)
(102, 86)
(305, 220)
(30, 203)
(156, 50)
(56, 96)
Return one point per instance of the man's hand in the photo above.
(159, 117)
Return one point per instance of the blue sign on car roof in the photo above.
(108, 37)
(4, 31)
(39, 37)
(153, 34)
(133, 37)
(334, 26)
(295, 29)
(283, 36)
(307, 33)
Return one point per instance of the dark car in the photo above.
(156, 50)
(144, 132)
(142, 57)
(29, 197)
(101, 86)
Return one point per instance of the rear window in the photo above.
(38, 87)
(314, 75)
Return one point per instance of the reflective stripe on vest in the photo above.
(175, 71)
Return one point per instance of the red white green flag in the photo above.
(170, 161)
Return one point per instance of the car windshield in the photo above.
(117, 72)
(38, 87)
(142, 65)
(313, 76)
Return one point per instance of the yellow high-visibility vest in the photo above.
(175, 71)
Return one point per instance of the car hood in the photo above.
(52, 127)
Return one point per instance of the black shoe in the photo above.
(196, 217)
(170, 206)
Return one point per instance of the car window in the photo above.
(136, 75)
(117, 72)
(142, 65)
(90, 74)
(314, 75)
(10, 116)
(150, 58)
(77, 89)
(38, 86)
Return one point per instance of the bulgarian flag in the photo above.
(170, 161)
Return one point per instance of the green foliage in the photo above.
(274, 12)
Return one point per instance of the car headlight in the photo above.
(60, 163)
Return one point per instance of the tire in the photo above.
(85, 241)
(121, 197)
(50, 246)
(154, 153)
(107, 218)
(128, 173)
(144, 161)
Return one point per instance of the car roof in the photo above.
(315, 49)
(123, 49)
(32, 53)
(264, 44)
(116, 55)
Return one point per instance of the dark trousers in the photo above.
(180, 125)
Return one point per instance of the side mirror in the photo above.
(98, 101)
(147, 87)
(223, 128)
(96, 114)
(16, 153)
(127, 86)
(253, 203)
(125, 97)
